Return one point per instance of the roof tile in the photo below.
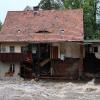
(23, 26)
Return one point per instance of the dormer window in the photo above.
(18, 31)
(62, 31)
(43, 31)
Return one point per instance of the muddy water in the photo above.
(43, 90)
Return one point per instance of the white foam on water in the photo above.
(44, 90)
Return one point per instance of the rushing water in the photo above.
(47, 90)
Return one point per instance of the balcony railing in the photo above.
(12, 57)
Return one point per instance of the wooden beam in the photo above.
(81, 61)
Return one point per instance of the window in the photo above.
(12, 68)
(12, 49)
(34, 49)
(62, 31)
(43, 31)
(23, 49)
(95, 49)
(18, 31)
(3, 49)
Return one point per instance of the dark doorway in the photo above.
(41, 59)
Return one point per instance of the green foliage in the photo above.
(50, 4)
(72, 4)
(89, 18)
(89, 10)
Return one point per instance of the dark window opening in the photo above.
(95, 49)
(62, 31)
(23, 49)
(19, 31)
(12, 49)
(43, 31)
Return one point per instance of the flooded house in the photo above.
(92, 58)
(42, 44)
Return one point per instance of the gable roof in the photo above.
(23, 26)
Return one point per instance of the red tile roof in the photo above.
(23, 26)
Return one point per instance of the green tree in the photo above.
(89, 8)
(50, 4)
(72, 4)
(89, 11)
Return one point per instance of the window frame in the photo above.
(23, 49)
(3, 49)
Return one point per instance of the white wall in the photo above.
(71, 49)
(68, 49)
(4, 68)
(17, 46)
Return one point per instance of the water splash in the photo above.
(91, 82)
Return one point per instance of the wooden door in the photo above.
(55, 52)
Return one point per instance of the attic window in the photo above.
(18, 31)
(62, 31)
(42, 31)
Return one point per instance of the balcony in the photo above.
(12, 57)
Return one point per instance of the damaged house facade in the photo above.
(92, 57)
(42, 44)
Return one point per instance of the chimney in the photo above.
(36, 8)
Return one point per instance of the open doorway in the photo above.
(37, 62)
(41, 59)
